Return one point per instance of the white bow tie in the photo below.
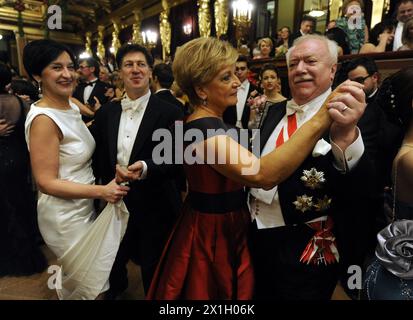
(127, 104)
(293, 107)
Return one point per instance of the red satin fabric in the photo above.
(206, 256)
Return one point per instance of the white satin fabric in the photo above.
(85, 247)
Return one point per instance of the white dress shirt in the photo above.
(88, 90)
(397, 41)
(242, 95)
(264, 205)
(130, 121)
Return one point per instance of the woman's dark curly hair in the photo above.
(268, 66)
(395, 97)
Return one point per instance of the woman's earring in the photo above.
(40, 89)
(204, 102)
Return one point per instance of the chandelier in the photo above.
(318, 11)
(242, 10)
(149, 39)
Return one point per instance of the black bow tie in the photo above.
(91, 83)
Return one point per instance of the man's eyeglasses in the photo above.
(240, 68)
(361, 79)
(83, 67)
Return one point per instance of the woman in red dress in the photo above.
(207, 255)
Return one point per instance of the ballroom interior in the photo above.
(99, 28)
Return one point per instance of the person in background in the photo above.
(162, 79)
(25, 90)
(282, 45)
(390, 274)
(239, 114)
(407, 36)
(332, 24)
(353, 24)
(20, 253)
(381, 38)
(271, 86)
(339, 36)
(90, 91)
(307, 26)
(404, 11)
(381, 139)
(182, 98)
(104, 74)
(265, 46)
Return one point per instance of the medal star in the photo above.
(322, 204)
(313, 179)
(303, 203)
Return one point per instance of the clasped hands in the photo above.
(131, 173)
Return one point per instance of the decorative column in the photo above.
(115, 37)
(204, 18)
(137, 34)
(377, 11)
(88, 44)
(165, 30)
(221, 17)
(334, 8)
(101, 47)
(44, 7)
(20, 36)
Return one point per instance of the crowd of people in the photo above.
(350, 31)
(325, 172)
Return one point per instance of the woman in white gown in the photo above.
(61, 150)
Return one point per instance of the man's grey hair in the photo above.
(330, 44)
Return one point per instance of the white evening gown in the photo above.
(85, 246)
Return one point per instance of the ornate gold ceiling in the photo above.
(79, 16)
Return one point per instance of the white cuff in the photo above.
(347, 160)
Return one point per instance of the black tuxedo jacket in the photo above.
(98, 91)
(153, 202)
(350, 193)
(230, 114)
(167, 96)
(292, 37)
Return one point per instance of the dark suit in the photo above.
(381, 142)
(292, 37)
(276, 251)
(98, 91)
(167, 96)
(153, 202)
(230, 114)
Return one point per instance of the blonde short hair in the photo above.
(198, 61)
(265, 40)
(406, 37)
(330, 44)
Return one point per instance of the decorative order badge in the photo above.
(322, 204)
(303, 203)
(313, 179)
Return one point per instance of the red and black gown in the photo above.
(206, 256)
